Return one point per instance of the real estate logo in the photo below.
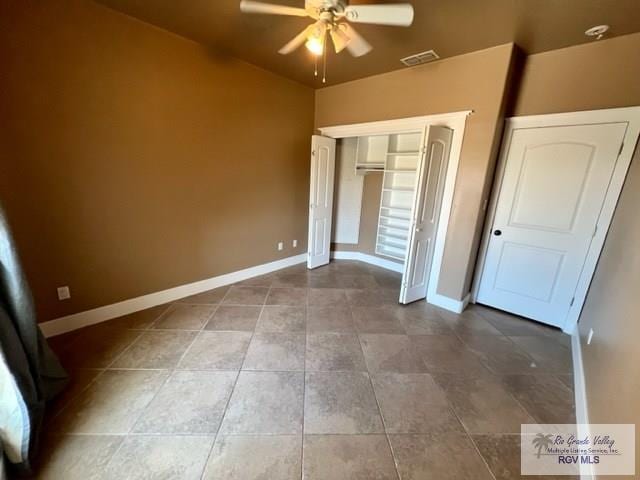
(572, 449)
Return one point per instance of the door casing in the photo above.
(629, 115)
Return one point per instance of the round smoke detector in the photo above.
(598, 31)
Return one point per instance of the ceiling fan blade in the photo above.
(249, 6)
(357, 45)
(399, 14)
(339, 38)
(297, 41)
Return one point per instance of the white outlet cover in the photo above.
(280, 245)
(64, 293)
(295, 243)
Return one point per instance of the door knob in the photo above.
(497, 233)
(418, 229)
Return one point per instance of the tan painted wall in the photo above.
(602, 75)
(133, 160)
(475, 82)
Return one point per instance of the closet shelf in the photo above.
(411, 153)
(395, 217)
(398, 189)
(402, 209)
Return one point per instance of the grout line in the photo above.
(235, 383)
(384, 423)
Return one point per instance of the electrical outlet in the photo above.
(280, 245)
(590, 336)
(64, 293)
(295, 243)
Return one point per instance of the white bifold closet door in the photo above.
(323, 162)
(425, 213)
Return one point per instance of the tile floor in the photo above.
(315, 374)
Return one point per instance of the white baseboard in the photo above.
(448, 303)
(580, 392)
(370, 259)
(115, 310)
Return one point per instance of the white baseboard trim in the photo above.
(448, 303)
(115, 310)
(370, 259)
(580, 392)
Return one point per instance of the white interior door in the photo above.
(553, 188)
(323, 162)
(425, 213)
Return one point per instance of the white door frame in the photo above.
(456, 121)
(629, 115)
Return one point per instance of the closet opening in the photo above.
(381, 193)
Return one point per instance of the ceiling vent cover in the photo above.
(420, 58)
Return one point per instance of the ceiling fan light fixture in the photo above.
(315, 45)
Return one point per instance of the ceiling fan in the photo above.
(332, 20)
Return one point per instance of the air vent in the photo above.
(420, 58)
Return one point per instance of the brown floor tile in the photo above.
(340, 402)
(545, 397)
(357, 281)
(334, 352)
(330, 319)
(156, 349)
(265, 403)
(348, 457)
(514, 325)
(470, 324)
(420, 321)
(245, 296)
(376, 320)
(391, 353)
(446, 354)
(79, 379)
(275, 351)
(112, 403)
(141, 320)
(287, 296)
(147, 457)
(438, 456)
(548, 354)
(501, 355)
(234, 318)
(76, 457)
(182, 316)
(291, 280)
(371, 297)
(97, 346)
(482, 404)
(255, 457)
(327, 297)
(282, 319)
(189, 402)
(502, 454)
(413, 403)
(211, 297)
(216, 351)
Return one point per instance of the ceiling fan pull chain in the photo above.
(315, 59)
(324, 59)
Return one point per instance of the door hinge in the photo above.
(572, 300)
(621, 147)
